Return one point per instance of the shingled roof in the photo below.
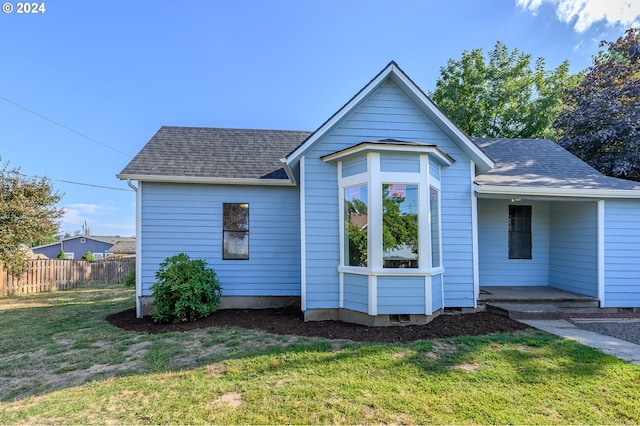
(544, 164)
(249, 154)
(214, 153)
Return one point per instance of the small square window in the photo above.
(235, 231)
(83, 240)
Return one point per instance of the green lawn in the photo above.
(60, 362)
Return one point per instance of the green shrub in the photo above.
(130, 281)
(89, 256)
(185, 290)
(61, 255)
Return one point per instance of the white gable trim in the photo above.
(393, 72)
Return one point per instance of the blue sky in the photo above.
(113, 72)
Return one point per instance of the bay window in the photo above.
(390, 207)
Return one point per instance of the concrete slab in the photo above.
(529, 293)
(622, 349)
(519, 311)
(625, 320)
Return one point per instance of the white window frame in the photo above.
(374, 179)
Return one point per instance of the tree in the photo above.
(89, 256)
(600, 121)
(27, 214)
(502, 96)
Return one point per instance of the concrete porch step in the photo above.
(520, 311)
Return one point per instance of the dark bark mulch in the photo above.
(291, 322)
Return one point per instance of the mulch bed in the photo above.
(291, 322)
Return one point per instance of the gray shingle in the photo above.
(542, 163)
(215, 153)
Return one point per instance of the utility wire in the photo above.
(66, 127)
(77, 183)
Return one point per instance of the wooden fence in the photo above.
(55, 274)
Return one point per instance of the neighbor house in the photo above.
(387, 210)
(75, 247)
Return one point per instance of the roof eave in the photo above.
(207, 180)
(556, 192)
(378, 147)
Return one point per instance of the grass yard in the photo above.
(60, 362)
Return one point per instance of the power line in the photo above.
(77, 183)
(65, 127)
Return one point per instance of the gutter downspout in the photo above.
(138, 248)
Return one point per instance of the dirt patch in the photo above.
(291, 322)
(232, 399)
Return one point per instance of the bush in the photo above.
(185, 290)
(89, 256)
(61, 255)
(130, 281)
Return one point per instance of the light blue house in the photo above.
(387, 211)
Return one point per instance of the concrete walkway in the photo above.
(610, 345)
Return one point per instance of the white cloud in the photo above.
(93, 214)
(587, 12)
(86, 208)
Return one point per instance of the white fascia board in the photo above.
(482, 160)
(391, 147)
(555, 192)
(288, 170)
(208, 180)
(291, 158)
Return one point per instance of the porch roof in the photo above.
(542, 165)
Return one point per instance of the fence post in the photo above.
(2, 280)
(52, 274)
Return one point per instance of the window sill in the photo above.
(390, 271)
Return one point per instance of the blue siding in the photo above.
(400, 295)
(51, 251)
(436, 292)
(495, 267)
(354, 166)
(573, 254)
(434, 168)
(385, 114)
(188, 218)
(622, 253)
(356, 292)
(457, 232)
(390, 162)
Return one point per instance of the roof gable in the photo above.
(417, 96)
